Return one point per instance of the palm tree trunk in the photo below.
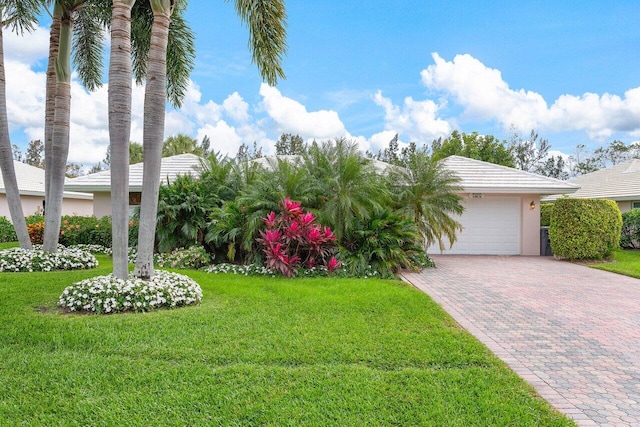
(60, 138)
(6, 161)
(119, 132)
(50, 105)
(153, 133)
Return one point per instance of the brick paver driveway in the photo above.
(571, 331)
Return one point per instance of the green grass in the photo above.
(256, 351)
(625, 262)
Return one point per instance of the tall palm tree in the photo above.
(266, 22)
(20, 16)
(119, 132)
(426, 193)
(88, 54)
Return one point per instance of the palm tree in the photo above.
(266, 20)
(352, 188)
(88, 54)
(119, 132)
(20, 16)
(426, 193)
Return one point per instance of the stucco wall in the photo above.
(530, 223)
(624, 205)
(33, 204)
(101, 204)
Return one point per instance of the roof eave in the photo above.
(519, 190)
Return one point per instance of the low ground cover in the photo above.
(625, 262)
(256, 351)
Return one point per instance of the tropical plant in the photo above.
(292, 239)
(386, 242)
(20, 16)
(351, 188)
(7, 232)
(425, 192)
(182, 213)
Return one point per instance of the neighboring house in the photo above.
(99, 183)
(502, 208)
(620, 183)
(31, 186)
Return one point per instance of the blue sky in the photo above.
(418, 68)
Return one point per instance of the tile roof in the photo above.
(171, 167)
(31, 182)
(619, 182)
(482, 177)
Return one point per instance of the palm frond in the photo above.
(88, 35)
(266, 20)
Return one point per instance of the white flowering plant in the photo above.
(107, 294)
(18, 259)
(94, 249)
(259, 270)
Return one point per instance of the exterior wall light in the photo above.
(532, 205)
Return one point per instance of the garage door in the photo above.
(491, 227)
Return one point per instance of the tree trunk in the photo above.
(153, 134)
(6, 161)
(60, 138)
(119, 132)
(50, 105)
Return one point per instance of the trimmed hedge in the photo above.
(630, 236)
(584, 228)
(545, 214)
(7, 233)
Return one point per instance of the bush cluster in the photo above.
(584, 228)
(413, 204)
(18, 259)
(106, 294)
(7, 233)
(194, 257)
(630, 235)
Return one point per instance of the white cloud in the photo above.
(416, 119)
(485, 95)
(224, 138)
(291, 116)
(28, 48)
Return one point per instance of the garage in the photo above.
(502, 208)
(491, 227)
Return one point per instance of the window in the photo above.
(635, 205)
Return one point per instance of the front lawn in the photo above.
(256, 351)
(625, 262)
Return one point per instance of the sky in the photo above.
(369, 70)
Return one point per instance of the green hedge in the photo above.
(584, 228)
(630, 236)
(7, 232)
(545, 214)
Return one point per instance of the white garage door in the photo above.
(491, 227)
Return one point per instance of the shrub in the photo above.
(7, 232)
(293, 239)
(387, 242)
(630, 235)
(545, 214)
(194, 257)
(18, 259)
(584, 228)
(36, 232)
(106, 294)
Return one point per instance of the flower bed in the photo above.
(18, 259)
(106, 294)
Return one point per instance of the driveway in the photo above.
(571, 331)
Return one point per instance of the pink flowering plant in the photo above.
(294, 240)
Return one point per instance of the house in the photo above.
(99, 183)
(31, 186)
(502, 213)
(502, 208)
(620, 183)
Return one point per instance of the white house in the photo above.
(31, 186)
(99, 183)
